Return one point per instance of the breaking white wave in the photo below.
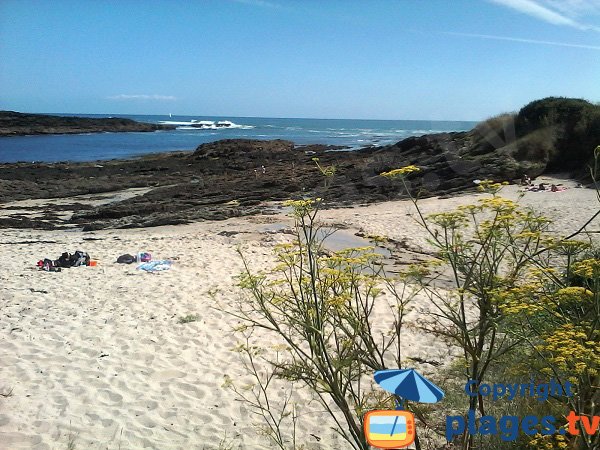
(205, 125)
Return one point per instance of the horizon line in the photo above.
(259, 117)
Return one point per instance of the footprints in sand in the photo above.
(109, 398)
(95, 419)
(110, 361)
(163, 375)
(145, 405)
(22, 441)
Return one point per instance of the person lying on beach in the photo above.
(534, 188)
(555, 188)
(542, 187)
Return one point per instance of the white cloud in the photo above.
(575, 8)
(564, 13)
(526, 41)
(142, 97)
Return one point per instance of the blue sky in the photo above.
(393, 59)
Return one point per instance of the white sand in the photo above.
(97, 353)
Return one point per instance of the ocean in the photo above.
(195, 130)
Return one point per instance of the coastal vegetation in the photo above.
(550, 134)
(318, 309)
(523, 303)
(188, 318)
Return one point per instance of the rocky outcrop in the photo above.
(237, 177)
(20, 124)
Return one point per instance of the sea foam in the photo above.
(205, 125)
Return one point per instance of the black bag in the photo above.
(79, 259)
(63, 261)
(126, 259)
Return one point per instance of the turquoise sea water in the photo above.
(103, 146)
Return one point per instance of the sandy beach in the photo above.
(97, 355)
(165, 285)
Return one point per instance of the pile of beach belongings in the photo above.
(147, 263)
(65, 260)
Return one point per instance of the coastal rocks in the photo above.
(238, 177)
(243, 154)
(240, 149)
(19, 124)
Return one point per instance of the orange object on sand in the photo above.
(93, 263)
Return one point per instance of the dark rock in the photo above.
(226, 178)
(228, 233)
(19, 124)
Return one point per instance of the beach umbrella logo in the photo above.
(388, 429)
(408, 384)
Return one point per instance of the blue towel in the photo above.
(156, 266)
